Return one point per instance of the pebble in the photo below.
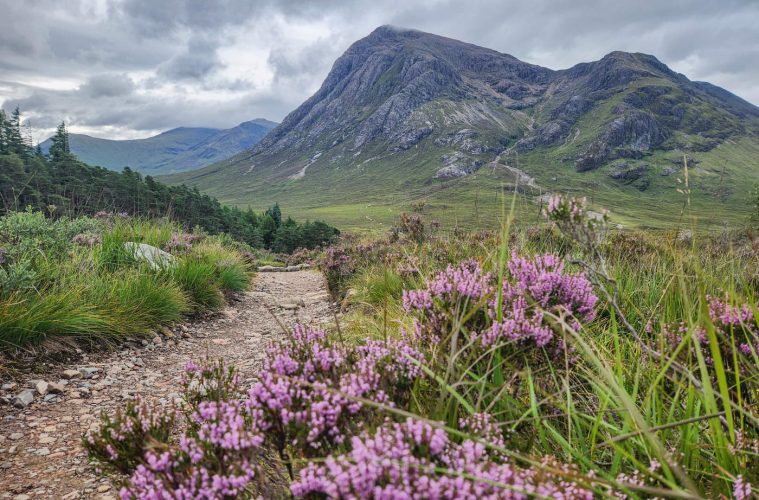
(10, 386)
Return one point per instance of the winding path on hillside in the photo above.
(40, 451)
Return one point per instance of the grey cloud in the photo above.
(108, 85)
(133, 66)
(199, 60)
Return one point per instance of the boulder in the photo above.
(155, 257)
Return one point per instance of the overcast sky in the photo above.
(132, 68)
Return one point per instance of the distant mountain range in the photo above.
(406, 116)
(176, 150)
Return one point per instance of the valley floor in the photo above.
(40, 447)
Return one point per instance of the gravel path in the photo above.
(40, 451)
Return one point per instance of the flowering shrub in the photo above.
(182, 243)
(537, 286)
(735, 329)
(532, 287)
(337, 266)
(404, 460)
(739, 320)
(307, 389)
(209, 380)
(572, 217)
(106, 216)
(216, 457)
(121, 441)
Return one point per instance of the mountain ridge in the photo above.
(175, 150)
(403, 113)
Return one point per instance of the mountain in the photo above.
(406, 118)
(175, 150)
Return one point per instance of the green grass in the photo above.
(52, 288)
(617, 409)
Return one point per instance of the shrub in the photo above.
(338, 266)
(416, 460)
(121, 442)
(307, 389)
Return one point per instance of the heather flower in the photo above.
(531, 288)
(121, 440)
(741, 489)
(537, 286)
(308, 388)
(402, 460)
(734, 325)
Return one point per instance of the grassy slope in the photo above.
(367, 191)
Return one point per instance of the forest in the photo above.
(61, 185)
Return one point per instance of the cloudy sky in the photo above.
(132, 68)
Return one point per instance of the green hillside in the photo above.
(408, 118)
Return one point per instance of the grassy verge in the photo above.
(76, 278)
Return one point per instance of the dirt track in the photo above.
(40, 451)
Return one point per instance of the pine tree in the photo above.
(4, 149)
(59, 149)
(16, 142)
(276, 214)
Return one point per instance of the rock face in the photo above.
(442, 108)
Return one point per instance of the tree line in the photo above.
(60, 184)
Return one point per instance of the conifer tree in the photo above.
(59, 149)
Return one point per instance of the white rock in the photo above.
(155, 257)
(42, 387)
(54, 388)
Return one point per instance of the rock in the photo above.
(51, 398)
(290, 269)
(43, 452)
(21, 497)
(685, 235)
(103, 488)
(668, 171)
(267, 269)
(10, 386)
(88, 372)
(155, 257)
(55, 388)
(42, 387)
(23, 399)
(628, 173)
(71, 374)
(15, 436)
(305, 266)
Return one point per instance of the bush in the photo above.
(120, 442)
